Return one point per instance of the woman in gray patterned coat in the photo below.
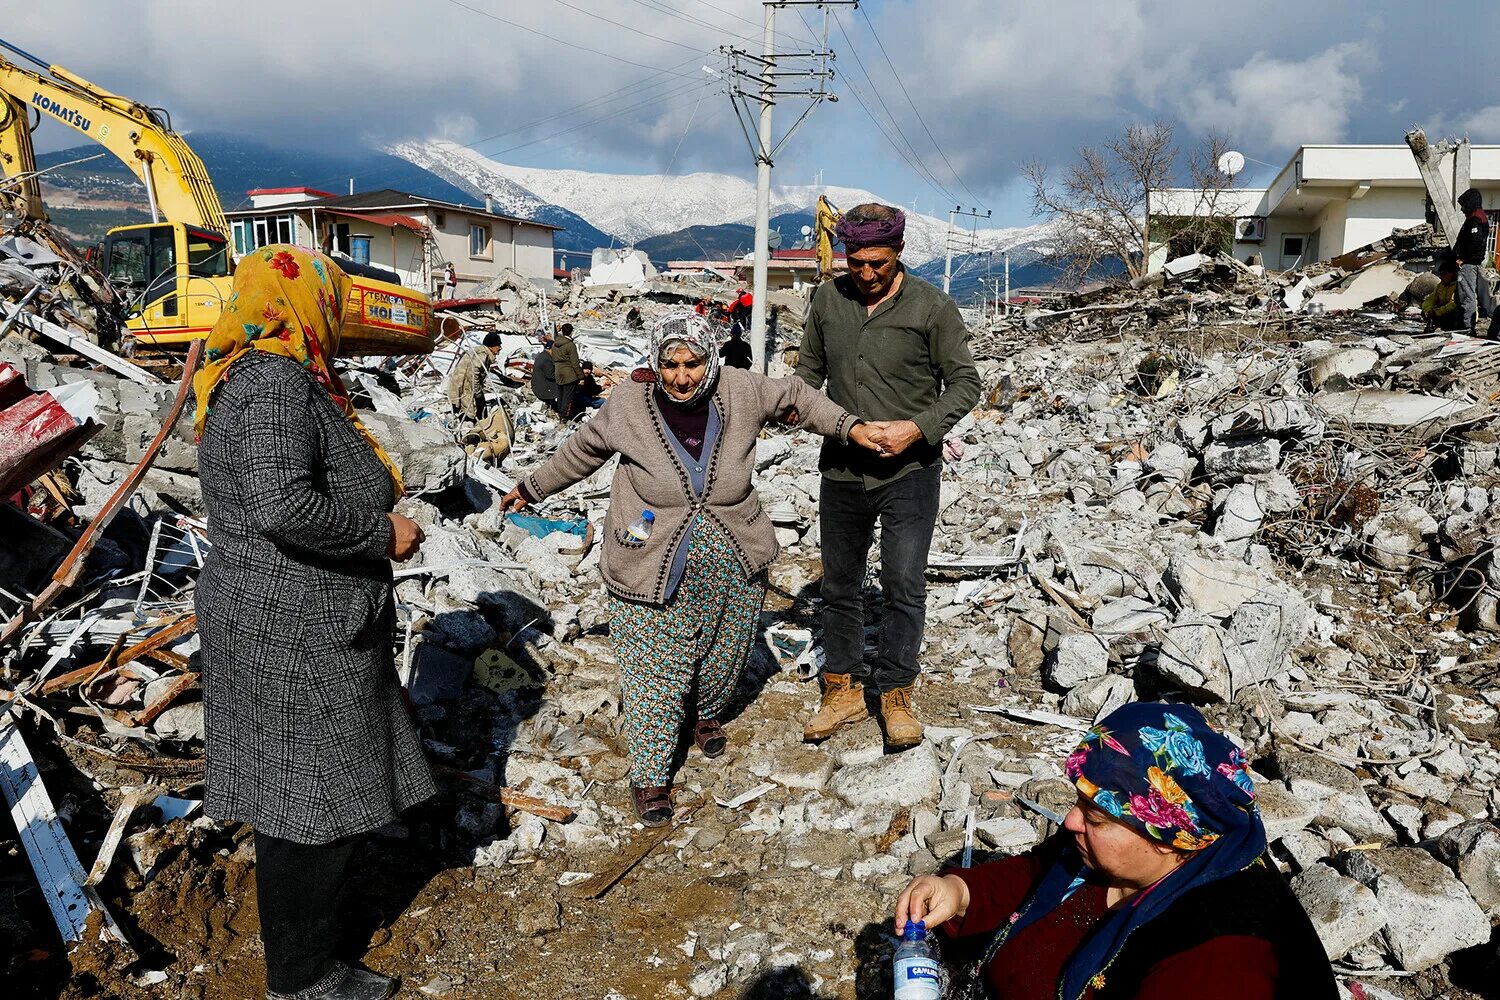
(685, 602)
(307, 736)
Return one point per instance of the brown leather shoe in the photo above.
(843, 702)
(901, 726)
(653, 804)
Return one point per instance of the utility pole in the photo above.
(757, 78)
(1007, 282)
(948, 259)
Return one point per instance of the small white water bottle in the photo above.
(916, 970)
(641, 530)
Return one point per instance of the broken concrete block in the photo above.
(1195, 655)
(1283, 813)
(1429, 912)
(1392, 536)
(1127, 617)
(1343, 911)
(1473, 850)
(902, 779)
(1078, 658)
(1337, 795)
(1386, 408)
(801, 767)
(425, 452)
(1240, 514)
(1214, 587)
(1012, 835)
(1266, 629)
(1342, 366)
(1238, 459)
(1096, 698)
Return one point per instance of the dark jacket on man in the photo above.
(308, 737)
(736, 353)
(1473, 238)
(908, 361)
(544, 377)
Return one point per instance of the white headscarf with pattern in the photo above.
(687, 328)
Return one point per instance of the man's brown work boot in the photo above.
(843, 702)
(901, 726)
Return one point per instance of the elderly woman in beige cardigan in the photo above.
(686, 600)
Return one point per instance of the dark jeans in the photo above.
(297, 888)
(907, 511)
(566, 393)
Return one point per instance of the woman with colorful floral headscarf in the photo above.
(686, 598)
(1158, 887)
(307, 738)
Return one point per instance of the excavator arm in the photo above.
(177, 183)
(23, 192)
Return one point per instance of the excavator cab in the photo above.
(174, 277)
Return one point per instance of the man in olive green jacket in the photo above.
(891, 348)
(569, 369)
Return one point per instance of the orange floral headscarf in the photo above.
(285, 300)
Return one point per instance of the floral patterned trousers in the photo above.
(700, 638)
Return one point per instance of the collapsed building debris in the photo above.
(1248, 491)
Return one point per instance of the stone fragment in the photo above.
(1195, 655)
(1237, 459)
(1429, 913)
(1343, 911)
(801, 767)
(1342, 366)
(1337, 795)
(1009, 834)
(1078, 658)
(1473, 850)
(1214, 587)
(1240, 515)
(1096, 698)
(902, 779)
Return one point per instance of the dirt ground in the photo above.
(417, 909)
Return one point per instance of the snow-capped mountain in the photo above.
(635, 207)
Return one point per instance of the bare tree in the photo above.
(1103, 202)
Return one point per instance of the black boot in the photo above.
(344, 983)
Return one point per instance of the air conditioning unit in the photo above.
(1250, 230)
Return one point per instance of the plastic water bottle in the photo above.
(641, 530)
(915, 969)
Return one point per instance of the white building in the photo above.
(1329, 200)
(406, 233)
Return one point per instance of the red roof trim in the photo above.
(289, 190)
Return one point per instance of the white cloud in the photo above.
(1284, 101)
(1484, 124)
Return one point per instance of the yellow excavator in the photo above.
(175, 270)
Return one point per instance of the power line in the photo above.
(554, 38)
(916, 158)
(627, 27)
(662, 7)
(870, 24)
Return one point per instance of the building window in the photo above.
(439, 219)
(251, 234)
(479, 241)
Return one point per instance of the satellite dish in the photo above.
(807, 230)
(1231, 163)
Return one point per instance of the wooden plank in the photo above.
(164, 637)
(174, 690)
(641, 845)
(58, 872)
(128, 805)
(505, 796)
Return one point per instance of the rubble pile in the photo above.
(1287, 516)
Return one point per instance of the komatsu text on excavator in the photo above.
(175, 270)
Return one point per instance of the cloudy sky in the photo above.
(965, 90)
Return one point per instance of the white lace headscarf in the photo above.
(686, 328)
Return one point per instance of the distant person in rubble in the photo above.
(450, 282)
(686, 543)
(1471, 247)
(736, 350)
(739, 311)
(891, 348)
(468, 381)
(569, 370)
(633, 319)
(590, 393)
(1158, 885)
(1440, 308)
(544, 374)
(307, 737)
